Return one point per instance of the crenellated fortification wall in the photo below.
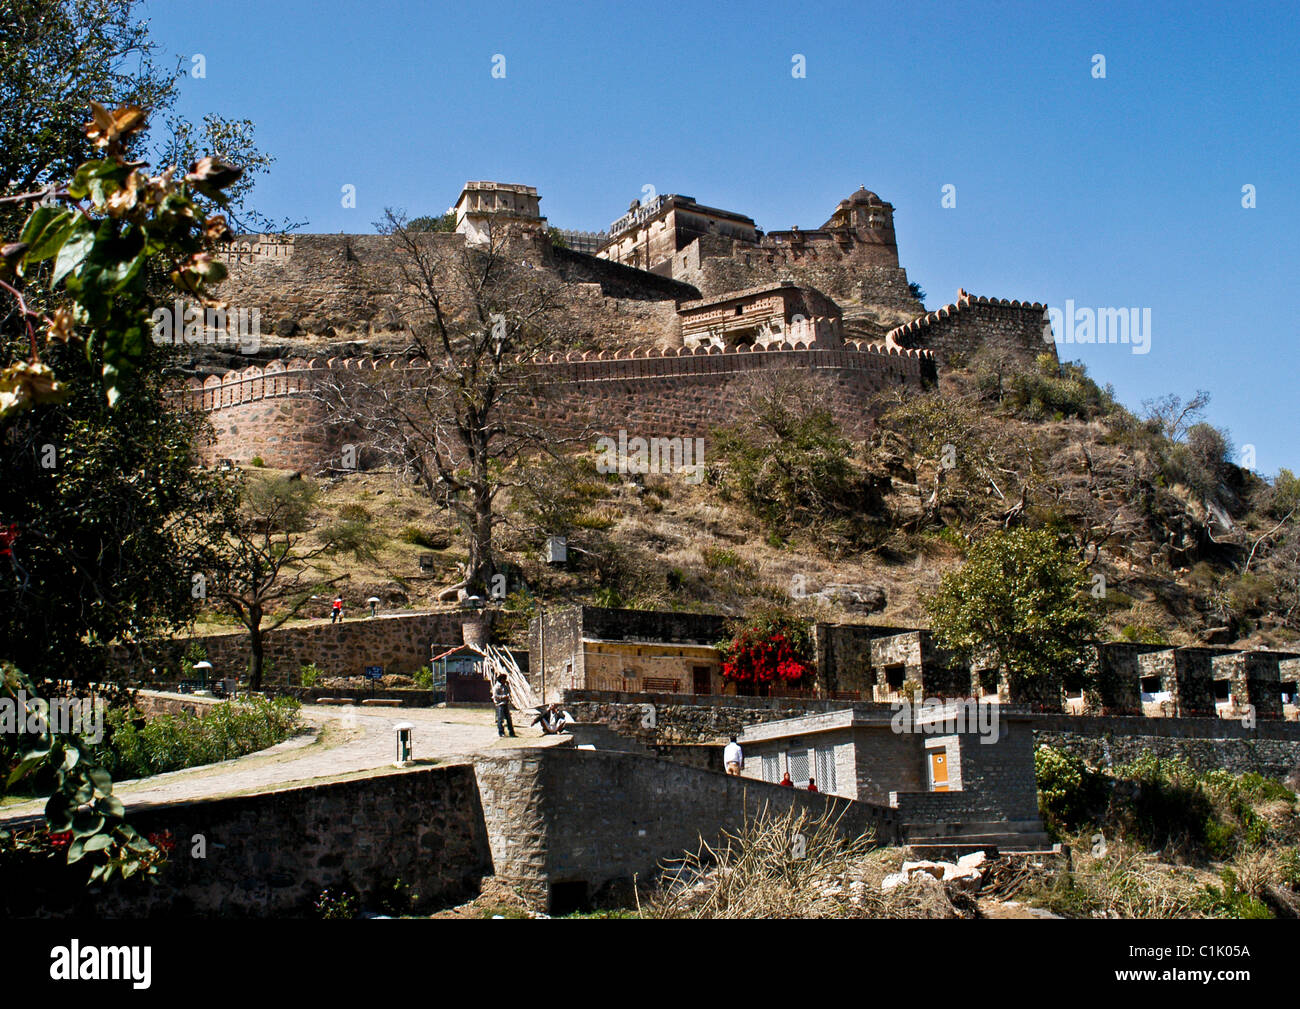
(268, 411)
(955, 332)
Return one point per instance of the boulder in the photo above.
(855, 598)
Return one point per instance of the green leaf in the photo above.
(25, 766)
(101, 780)
(87, 822)
(58, 813)
(76, 850)
(79, 243)
(98, 842)
(46, 231)
(111, 805)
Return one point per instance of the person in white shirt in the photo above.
(733, 757)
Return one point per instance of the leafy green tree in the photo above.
(56, 56)
(1025, 599)
(108, 520)
(83, 272)
(445, 222)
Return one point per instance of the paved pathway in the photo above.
(343, 742)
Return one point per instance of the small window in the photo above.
(771, 767)
(826, 768)
(1151, 684)
(799, 768)
(740, 309)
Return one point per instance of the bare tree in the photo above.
(1172, 417)
(267, 575)
(462, 404)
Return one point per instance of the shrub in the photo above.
(134, 748)
(774, 648)
(354, 513)
(335, 907)
(430, 539)
(1070, 793)
(310, 674)
(423, 678)
(256, 461)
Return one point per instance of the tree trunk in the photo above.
(255, 658)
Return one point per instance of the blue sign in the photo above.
(374, 672)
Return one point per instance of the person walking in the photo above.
(812, 785)
(733, 757)
(501, 701)
(336, 611)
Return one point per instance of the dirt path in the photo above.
(341, 742)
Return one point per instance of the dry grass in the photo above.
(1125, 882)
(790, 865)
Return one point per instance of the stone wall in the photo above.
(683, 718)
(1271, 748)
(718, 265)
(645, 391)
(1187, 674)
(571, 825)
(271, 855)
(957, 331)
(400, 643)
(843, 654)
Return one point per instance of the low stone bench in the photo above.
(335, 700)
(381, 702)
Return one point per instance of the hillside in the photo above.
(1168, 550)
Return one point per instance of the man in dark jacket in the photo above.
(501, 701)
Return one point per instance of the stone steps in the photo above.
(1038, 841)
(970, 827)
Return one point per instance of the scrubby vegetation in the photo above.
(136, 748)
(1154, 838)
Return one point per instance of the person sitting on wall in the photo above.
(553, 719)
(785, 781)
(812, 785)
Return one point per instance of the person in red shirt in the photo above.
(812, 785)
(786, 782)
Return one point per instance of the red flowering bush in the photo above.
(771, 650)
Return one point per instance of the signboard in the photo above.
(374, 672)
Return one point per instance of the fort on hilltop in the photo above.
(669, 308)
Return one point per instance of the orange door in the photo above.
(938, 771)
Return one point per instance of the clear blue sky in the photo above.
(1116, 192)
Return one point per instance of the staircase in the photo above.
(1002, 835)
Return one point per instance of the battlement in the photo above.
(296, 376)
(971, 322)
